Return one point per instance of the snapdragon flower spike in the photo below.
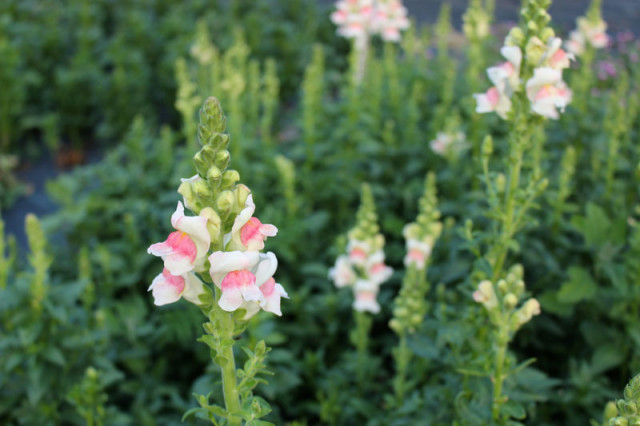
(548, 93)
(359, 19)
(353, 18)
(185, 249)
(390, 17)
(167, 288)
(342, 273)
(248, 233)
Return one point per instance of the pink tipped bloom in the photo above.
(238, 287)
(576, 43)
(245, 280)
(448, 143)
(167, 288)
(377, 271)
(185, 249)
(417, 254)
(485, 294)
(365, 297)
(342, 273)
(273, 292)
(555, 57)
(493, 101)
(358, 251)
(548, 93)
(248, 233)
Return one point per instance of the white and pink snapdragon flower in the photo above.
(360, 19)
(592, 32)
(363, 269)
(186, 248)
(448, 143)
(243, 274)
(506, 80)
(248, 233)
(547, 92)
(246, 281)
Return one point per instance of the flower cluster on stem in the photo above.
(591, 31)
(410, 306)
(534, 63)
(361, 19)
(502, 303)
(362, 268)
(220, 245)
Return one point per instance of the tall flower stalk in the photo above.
(214, 260)
(410, 306)
(528, 88)
(363, 270)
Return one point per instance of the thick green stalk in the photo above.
(498, 376)
(228, 367)
(361, 341)
(402, 356)
(510, 205)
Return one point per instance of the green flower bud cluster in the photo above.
(214, 192)
(502, 299)
(6, 260)
(427, 226)
(411, 306)
(594, 13)
(287, 172)
(475, 21)
(367, 229)
(39, 260)
(203, 50)
(628, 409)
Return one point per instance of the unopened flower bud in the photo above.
(517, 270)
(547, 32)
(518, 287)
(503, 287)
(610, 410)
(501, 183)
(222, 159)
(487, 146)
(535, 50)
(242, 193)
(213, 222)
(213, 174)
(515, 37)
(201, 189)
(229, 178)
(224, 202)
(510, 301)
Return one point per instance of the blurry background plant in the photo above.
(310, 138)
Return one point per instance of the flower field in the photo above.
(308, 215)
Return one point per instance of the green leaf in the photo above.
(513, 409)
(579, 287)
(54, 355)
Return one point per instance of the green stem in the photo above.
(499, 376)
(228, 366)
(507, 226)
(361, 341)
(403, 357)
